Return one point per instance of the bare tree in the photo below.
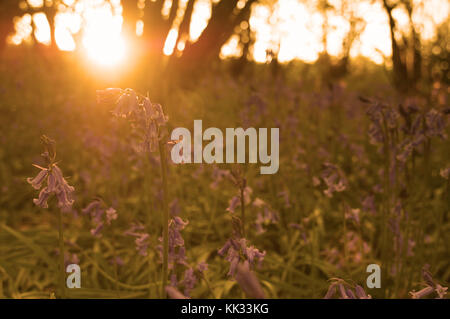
(246, 41)
(185, 25)
(156, 26)
(225, 17)
(130, 15)
(323, 7)
(336, 68)
(406, 51)
(50, 10)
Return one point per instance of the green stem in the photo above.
(213, 215)
(116, 273)
(208, 285)
(149, 222)
(162, 155)
(345, 236)
(243, 210)
(387, 204)
(62, 271)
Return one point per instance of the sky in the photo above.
(292, 26)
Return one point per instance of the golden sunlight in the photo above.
(292, 28)
(100, 23)
(106, 51)
(102, 38)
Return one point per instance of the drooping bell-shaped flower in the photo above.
(55, 184)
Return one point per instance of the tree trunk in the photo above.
(406, 57)
(185, 25)
(50, 13)
(156, 28)
(130, 14)
(8, 10)
(224, 18)
(415, 69)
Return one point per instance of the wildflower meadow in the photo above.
(227, 180)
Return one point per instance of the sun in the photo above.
(105, 50)
(102, 38)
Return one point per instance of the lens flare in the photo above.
(106, 50)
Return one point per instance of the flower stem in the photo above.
(62, 271)
(243, 210)
(162, 155)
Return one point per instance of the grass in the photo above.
(311, 243)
